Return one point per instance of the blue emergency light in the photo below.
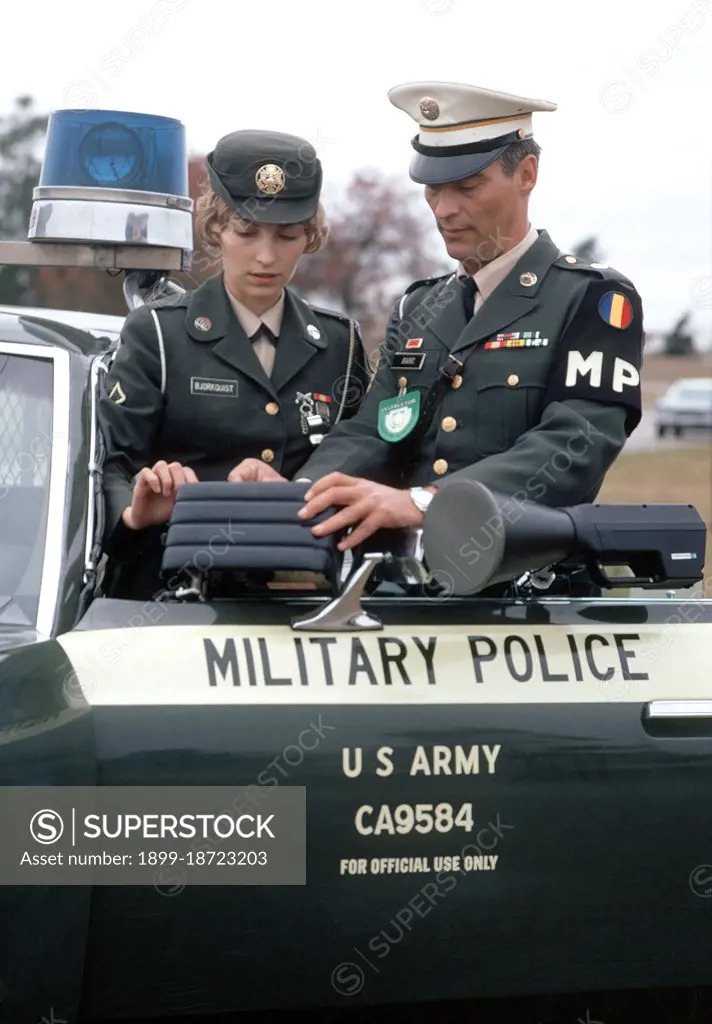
(115, 149)
(114, 178)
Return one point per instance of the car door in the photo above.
(491, 807)
(46, 738)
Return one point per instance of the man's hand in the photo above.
(372, 506)
(254, 471)
(154, 494)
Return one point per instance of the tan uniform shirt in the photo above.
(492, 274)
(251, 324)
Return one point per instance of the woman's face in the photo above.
(260, 259)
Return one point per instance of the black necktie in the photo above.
(469, 290)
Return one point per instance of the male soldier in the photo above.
(520, 371)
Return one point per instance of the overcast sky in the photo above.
(627, 155)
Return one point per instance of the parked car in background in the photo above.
(686, 405)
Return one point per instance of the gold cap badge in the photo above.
(270, 179)
(429, 108)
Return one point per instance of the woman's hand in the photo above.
(154, 494)
(254, 471)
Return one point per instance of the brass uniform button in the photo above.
(440, 466)
(402, 382)
(271, 408)
(456, 381)
(512, 380)
(449, 424)
(267, 455)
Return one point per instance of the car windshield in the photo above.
(695, 391)
(26, 388)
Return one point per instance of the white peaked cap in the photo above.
(462, 128)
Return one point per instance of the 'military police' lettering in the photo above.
(344, 663)
(213, 386)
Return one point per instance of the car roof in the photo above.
(101, 325)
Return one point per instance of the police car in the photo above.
(240, 799)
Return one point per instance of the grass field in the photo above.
(674, 476)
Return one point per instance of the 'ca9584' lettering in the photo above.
(406, 818)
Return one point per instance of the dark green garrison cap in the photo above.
(268, 177)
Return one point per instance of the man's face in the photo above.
(482, 216)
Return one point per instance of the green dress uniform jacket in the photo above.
(545, 398)
(186, 385)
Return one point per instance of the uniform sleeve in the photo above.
(354, 446)
(129, 413)
(592, 404)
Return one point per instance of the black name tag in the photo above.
(213, 386)
(408, 360)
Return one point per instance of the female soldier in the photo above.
(241, 367)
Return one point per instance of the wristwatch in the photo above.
(421, 498)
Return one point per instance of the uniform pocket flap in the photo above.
(510, 373)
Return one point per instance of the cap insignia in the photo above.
(429, 108)
(270, 179)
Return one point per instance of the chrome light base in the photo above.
(111, 216)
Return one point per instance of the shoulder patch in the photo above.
(616, 310)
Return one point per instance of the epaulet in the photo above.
(321, 311)
(601, 270)
(425, 282)
(173, 301)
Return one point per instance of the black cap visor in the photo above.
(439, 170)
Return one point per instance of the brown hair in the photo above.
(213, 215)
